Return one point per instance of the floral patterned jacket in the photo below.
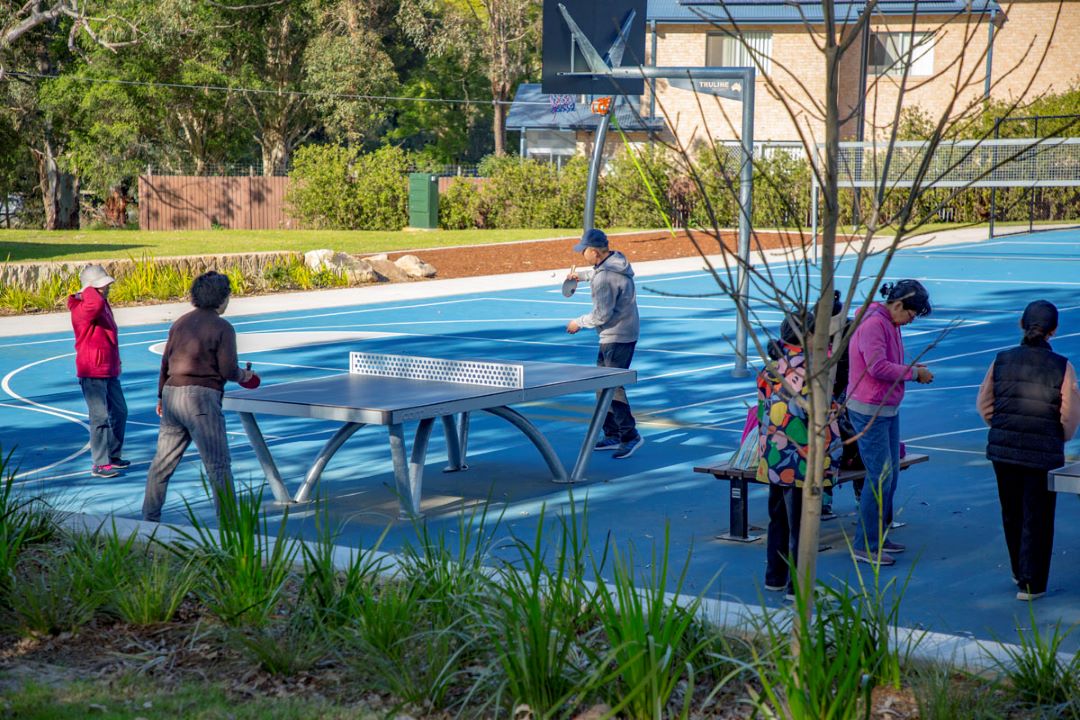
(782, 424)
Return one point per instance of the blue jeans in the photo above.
(879, 446)
(108, 418)
(619, 422)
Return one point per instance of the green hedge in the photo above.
(339, 188)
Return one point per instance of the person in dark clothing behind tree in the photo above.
(1030, 400)
(199, 358)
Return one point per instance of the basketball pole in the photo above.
(746, 176)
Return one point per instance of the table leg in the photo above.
(603, 402)
(463, 437)
(266, 460)
(454, 455)
(558, 472)
(332, 445)
(409, 475)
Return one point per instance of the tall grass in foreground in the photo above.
(332, 596)
(540, 618)
(23, 522)
(1038, 670)
(647, 630)
(244, 569)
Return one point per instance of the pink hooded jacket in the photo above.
(877, 371)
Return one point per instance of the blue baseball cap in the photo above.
(592, 239)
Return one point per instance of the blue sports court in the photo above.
(689, 409)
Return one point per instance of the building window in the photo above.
(889, 53)
(724, 50)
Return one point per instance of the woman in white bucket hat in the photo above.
(97, 364)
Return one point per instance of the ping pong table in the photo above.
(391, 390)
(1065, 479)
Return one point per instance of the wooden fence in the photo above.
(183, 202)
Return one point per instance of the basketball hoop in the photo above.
(562, 104)
(601, 106)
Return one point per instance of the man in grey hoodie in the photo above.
(615, 317)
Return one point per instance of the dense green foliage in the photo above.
(338, 188)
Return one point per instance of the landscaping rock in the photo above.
(358, 271)
(387, 269)
(415, 267)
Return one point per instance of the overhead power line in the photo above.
(259, 91)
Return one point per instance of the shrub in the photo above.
(462, 206)
(335, 187)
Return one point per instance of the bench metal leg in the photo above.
(331, 447)
(558, 472)
(738, 527)
(409, 476)
(603, 402)
(266, 460)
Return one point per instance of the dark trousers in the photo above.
(108, 417)
(782, 538)
(619, 422)
(188, 412)
(1027, 515)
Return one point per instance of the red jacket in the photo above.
(97, 346)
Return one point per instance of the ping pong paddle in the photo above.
(569, 285)
(252, 382)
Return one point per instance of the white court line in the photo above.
(939, 388)
(995, 349)
(543, 343)
(712, 401)
(983, 428)
(288, 316)
(981, 453)
(688, 372)
(1043, 283)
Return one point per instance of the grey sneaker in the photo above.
(104, 471)
(893, 547)
(628, 448)
(1022, 595)
(874, 558)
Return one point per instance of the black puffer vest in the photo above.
(1026, 426)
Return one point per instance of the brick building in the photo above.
(1032, 51)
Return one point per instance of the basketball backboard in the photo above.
(600, 21)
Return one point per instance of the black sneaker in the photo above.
(608, 443)
(120, 463)
(627, 449)
(104, 471)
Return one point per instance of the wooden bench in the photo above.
(738, 529)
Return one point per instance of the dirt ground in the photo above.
(558, 254)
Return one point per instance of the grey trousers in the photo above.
(189, 412)
(108, 417)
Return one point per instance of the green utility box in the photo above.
(423, 200)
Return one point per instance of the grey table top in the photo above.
(382, 400)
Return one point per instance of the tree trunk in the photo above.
(116, 208)
(498, 124)
(59, 191)
(818, 360)
(275, 152)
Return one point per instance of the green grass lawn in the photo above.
(23, 245)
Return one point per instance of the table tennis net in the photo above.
(469, 372)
